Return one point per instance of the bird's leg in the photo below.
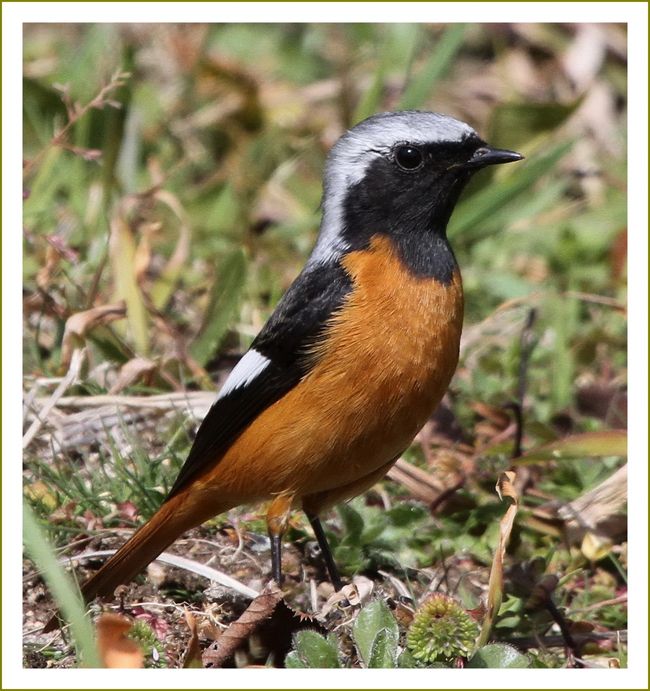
(325, 551)
(277, 518)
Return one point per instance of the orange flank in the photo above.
(382, 367)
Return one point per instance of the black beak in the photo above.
(487, 156)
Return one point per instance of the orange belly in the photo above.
(387, 360)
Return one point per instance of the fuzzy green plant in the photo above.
(152, 647)
(441, 630)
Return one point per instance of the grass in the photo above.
(178, 169)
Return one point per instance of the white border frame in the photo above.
(13, 16)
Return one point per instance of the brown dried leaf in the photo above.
(192, 657)
(115, 649)
(132, 371)
(497, 416)
(605, 400)
(423, 485)
(44, 275)
(122, 256)
(79, 324)
(263, 632)
(505, 488)
(143, 252)
(260, 610)
(592, 513)
(417, 481)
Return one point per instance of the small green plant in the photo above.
(441, 630)
(152, 647)
(375, 635)
(313, 650)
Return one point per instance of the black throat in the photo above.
(418, 231)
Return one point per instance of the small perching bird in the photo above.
(356, 355)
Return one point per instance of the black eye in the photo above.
(408, 157)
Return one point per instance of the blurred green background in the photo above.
(231, 123)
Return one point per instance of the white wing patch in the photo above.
(245, 371)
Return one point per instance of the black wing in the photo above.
(297, 322)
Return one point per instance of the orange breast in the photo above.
(387, 360)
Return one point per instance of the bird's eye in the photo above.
(408, 157)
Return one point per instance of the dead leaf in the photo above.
(595, 547)
(132, 371)
(192, 657)
(359, 591)
(78, 325)
(164, 285)
(263, 632)
(143, 252)
(420, 484)
(122, 257)
(605, 400)
(595, 518)
(233, 638)
(115, 649)
(505, 489)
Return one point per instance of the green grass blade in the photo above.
(122, 257)
(423, 84)
(224, 301)
(370, 101)
(587, 445)
(469, 213)
(62, 588)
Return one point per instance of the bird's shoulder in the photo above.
(276, 361)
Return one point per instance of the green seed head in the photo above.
(441, 630)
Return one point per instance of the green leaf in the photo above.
(351, 558)
(469, 213)
(590, 444)
(65, 594)
(224, 301)
(352, 524)
(383, 653)
(314, 651)
(370, 101)
(407, 661)
(514, 124)
(422, 86)
(499, 656)
(370, 622)
(293, 661)
(122, 254)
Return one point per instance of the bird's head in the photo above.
(398, 173)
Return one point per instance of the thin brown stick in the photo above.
(76, 113)
(558, 641)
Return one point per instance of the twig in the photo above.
(558, 641)
(167, 401)
(75, 113)
(621, 599)
(569, 640)
(180, 563)
(597, 299)
(70, 378)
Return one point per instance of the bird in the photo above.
(355, 357)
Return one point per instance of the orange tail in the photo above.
(168, 523)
